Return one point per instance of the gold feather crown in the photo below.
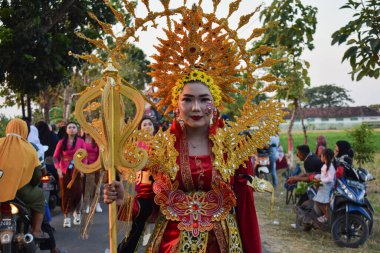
(197, 41)
(203, 42)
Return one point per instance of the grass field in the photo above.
(332, 137)
(278, 235)
(277, 232)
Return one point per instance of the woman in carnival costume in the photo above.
(203, 183)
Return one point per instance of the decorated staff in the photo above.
(110, 132)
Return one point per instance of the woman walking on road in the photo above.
(70, 178)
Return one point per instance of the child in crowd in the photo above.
(327, 179)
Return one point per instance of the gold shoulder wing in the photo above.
(162, 155)
(235, 144)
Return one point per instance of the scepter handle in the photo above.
(112, 216)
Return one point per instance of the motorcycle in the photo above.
(50, 187)
(263, 163)
(15, 236)
(351, 214)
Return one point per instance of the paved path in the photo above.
(70, 240)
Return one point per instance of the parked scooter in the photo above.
(263, 163)
(351, 214)
(15, 235)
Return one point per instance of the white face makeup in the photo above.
(147, 125)
(195, 105)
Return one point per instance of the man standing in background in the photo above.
(273, 154)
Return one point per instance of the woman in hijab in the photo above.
(20, 173)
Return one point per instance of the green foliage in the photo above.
(56, 115)
(10, 98)
(134, 70)
(136, 67)
(362, 36)
(233, 109)
(290, 26)
(375, 107)
(363, 144)
(302, 187)
(36, 36)
(3, 124)
(328, 95)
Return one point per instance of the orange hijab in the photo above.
(18, 159)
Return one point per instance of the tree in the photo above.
(3, 124)
(135, 69)
(232, 109)
(290, 26)
(362, 35)
(328, 95)
(363, 144)
(36, 36)
(375, 107)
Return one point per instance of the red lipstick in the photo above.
(196, 118)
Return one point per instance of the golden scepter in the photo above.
(110, 132)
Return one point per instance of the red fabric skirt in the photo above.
(172, 236)
(70, 197)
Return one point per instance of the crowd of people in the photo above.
(55, 156)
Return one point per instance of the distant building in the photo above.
(334, 118)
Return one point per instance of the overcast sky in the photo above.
(325, 60)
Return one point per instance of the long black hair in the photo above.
(344, 149)
(47, 137)
(328, 154)
(66, 137)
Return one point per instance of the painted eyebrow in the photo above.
(202, 95)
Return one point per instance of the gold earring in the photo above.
(178, 118)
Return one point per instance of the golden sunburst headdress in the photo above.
(197, 41)
(203, 47)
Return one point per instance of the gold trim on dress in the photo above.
(191, 244)
(157, 234)
(234, 242)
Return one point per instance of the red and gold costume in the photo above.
(196, 207)
(205, 204)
